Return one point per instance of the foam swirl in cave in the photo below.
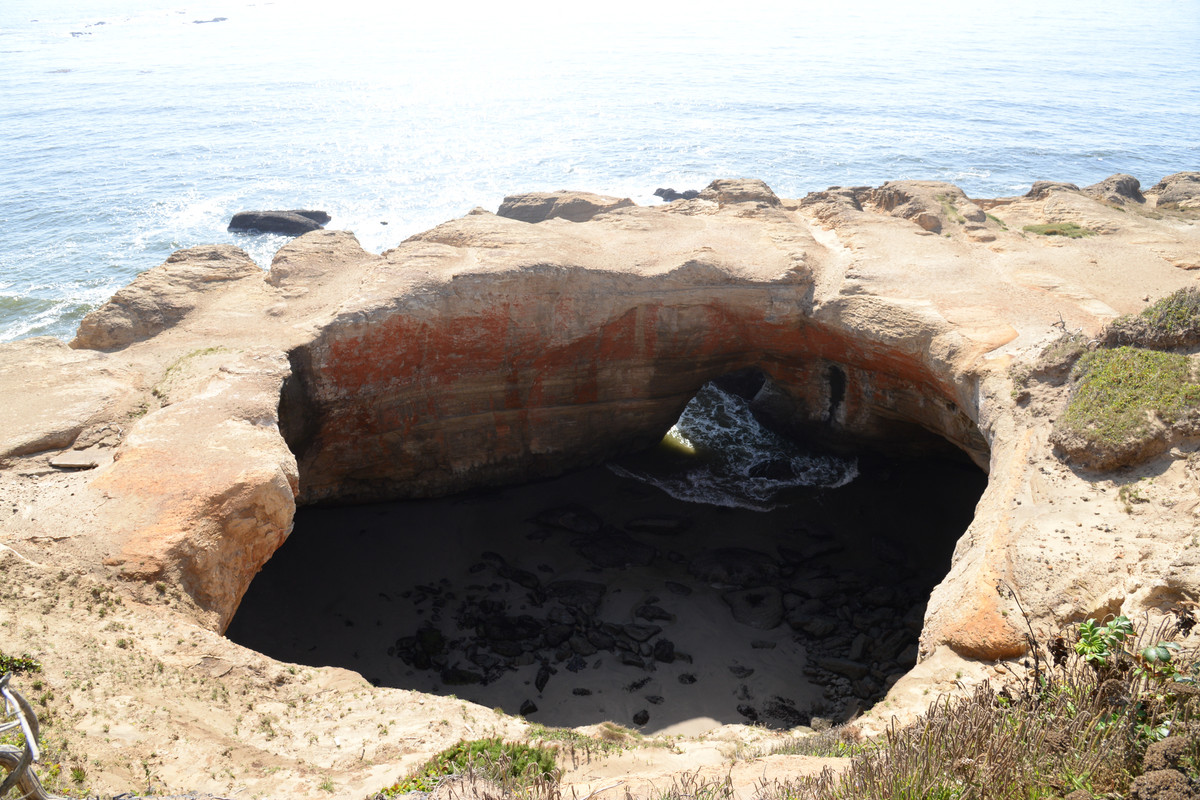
(718, 453)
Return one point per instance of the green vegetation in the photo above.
(950, 209)
(18, 664)
(1067, 229)
(998, 221)
(1095, 700)
(1118, 394)
(513, 765)
(1173, 321)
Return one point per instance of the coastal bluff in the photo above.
(210, 399)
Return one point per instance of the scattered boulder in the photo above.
(1042, 189)
(292, 223)
(1180, 190)
(734, 565)
(575, 518)
(729, 191)
(1118, 189)
(760, 608)
(535, 207)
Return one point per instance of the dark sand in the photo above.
(354, 586)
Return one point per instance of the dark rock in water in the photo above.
(687, 679)
(576, 664)
(735, 565)
(543, 677)
(665, 524)
(654, 699)
(574, 518)
(652, 613)
(776, 469)
(528, 708)
(290, 222)
(683, 590)
(670, 195)
(641, 717)
(664, 651)
(614, 549)
(456, 676)
(748, 712)
(579, 692)
(583, 595)
(741, 672)
(760, 608)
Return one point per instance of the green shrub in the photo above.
(18, 664)
(1173, 321)
(1120, 400)
(1067, 229)
(507, 763)
(1081, 719)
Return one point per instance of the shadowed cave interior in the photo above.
(727, 575)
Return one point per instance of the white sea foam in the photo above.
(735, 461)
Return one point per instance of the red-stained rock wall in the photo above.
(492, 382)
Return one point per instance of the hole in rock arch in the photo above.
(727, 575)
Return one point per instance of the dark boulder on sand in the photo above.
(293, 222)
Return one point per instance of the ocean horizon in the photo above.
(134, 129)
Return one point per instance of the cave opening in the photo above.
(729, 574)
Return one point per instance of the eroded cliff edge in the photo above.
(490, 349)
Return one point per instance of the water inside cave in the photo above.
(728, 575)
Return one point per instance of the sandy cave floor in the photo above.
(461, 596)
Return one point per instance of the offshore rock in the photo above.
(292, 223)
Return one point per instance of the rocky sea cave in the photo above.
(729, 574)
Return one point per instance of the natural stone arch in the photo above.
(509, 378)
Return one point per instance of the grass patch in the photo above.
(1067, 229)
(1173, 321)
(1120, 402)
(1097, 699)
(513, 765)
(998, 221)
(950, 209)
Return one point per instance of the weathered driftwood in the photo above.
(17, 760)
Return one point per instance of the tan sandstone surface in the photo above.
(213, 398)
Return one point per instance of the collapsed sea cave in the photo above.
(731, 573)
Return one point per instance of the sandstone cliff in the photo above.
(570, 328)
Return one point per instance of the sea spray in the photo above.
(719, 454)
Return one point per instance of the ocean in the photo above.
(132, 129)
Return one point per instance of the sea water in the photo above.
(131, 129)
